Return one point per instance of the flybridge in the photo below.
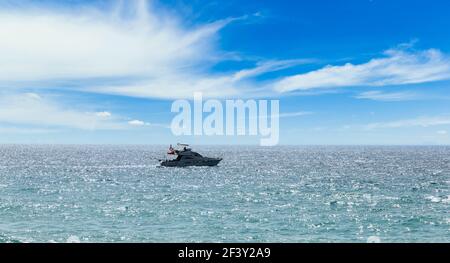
(242, 118)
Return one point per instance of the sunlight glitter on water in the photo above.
(282, 194)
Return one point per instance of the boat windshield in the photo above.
(197, 155)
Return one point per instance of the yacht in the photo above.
(187, 157)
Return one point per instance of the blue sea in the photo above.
(92, 193)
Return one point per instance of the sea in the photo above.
(118, 193)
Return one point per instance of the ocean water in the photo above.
(284, 194)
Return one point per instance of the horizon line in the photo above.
(253, 145)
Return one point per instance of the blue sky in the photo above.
(366, 72)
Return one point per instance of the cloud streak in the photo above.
(154, 55)
(387, 96)
(149, 50)
(32, 109)
(416, 122)
(184, 84)
(397, 67)
(46, 44)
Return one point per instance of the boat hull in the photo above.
(207, 162)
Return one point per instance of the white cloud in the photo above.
(151, 51)
(103, 114)
(398, 67)
(416, 122)
(442, 132)
(28, 113)
(286, 115)
(269, 66)
(139, 123)
(139, 50)
(176, 85)
(32, 109)
(387, 96)
(33, 96)
(294, 114)
(136, 123)
(46, 43)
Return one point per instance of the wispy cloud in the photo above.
(286, 115)
(416, 122)
(269, 66)
(388, 96)
(183, 84)
(295, 114)
(139, 123)
(33, 113)
(90, 43)
(152, 52)
(103, 114)
(136, 123)
(397, 67)
(32, 109)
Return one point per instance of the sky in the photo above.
(362, 72)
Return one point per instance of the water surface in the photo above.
(93, 193)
